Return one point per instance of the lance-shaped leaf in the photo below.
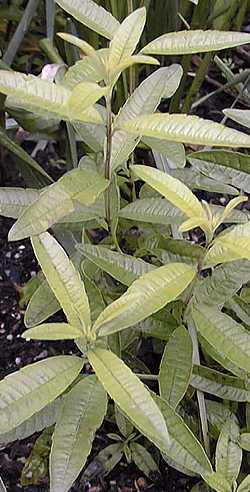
(127, 37)
(129, 393)
(90, 69)
(228, 450)
(129, 61)
(195, 180)
(91, 15)
(224, 334)
(143, 459)
(244, 441)
(145, 296)
(63, 279)
(185, 449)
(13, 201)
(176, 367)
(222, 359)
(219, 384)
(80, 43)
(217, 414)
(83, 412)
(84, 95)
(42, 96)
(56, 201)
(52, 331)
(241, 116)
(172, 189)
(123, 268)
(230, 245)
(229, 167)
(104, 462)
(145, 99)
(186, 129)
(195, 41)
(27, 391)
(42, 305)
(245, 485)
(173, 151)
(153, 210)
(217, 482)
(36, 423)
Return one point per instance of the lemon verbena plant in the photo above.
(202, 321)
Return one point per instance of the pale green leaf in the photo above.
(217, 414)
(124, 425)
(129, 61)
(229, 246)
(195, 41)
(123, 268)
(229, 167)
(84, 95)
(241, 116)
(151, 292)
(174, 152)
(176, 367)
(143, 459)
(52, 331)
(90, 69)
(172, 189)
(56, 201)
(80, 43)
(13, 201)
(2, 486)
(218, 482)
(130, 395)
(221, 358)
(195, 180)
(185, 129)
(219, 384)
(153, 210)
(245, 485)
(27, 391)
(42, 305)
(83, 412)
(63, 279)
(241, 308)
(244, 441)
(91, 15)
(185, 449)
(224, 334)
(127, 37)
(228, 452)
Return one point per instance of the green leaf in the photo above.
(228, 451)
(126, 37)
(84, 95)
(63, 279)
(229, 167)
(176, 367)
(90, 69)
(195, 41)
(13, 201)
(223, 360)
(42, 305)
(195, 180)
(129, 61)
(217, 414)
(245, 484)
(244, 441)
(40, 177)
(27, 391)
(83, 412)
(145, 99)
(241, 116)
(172, 189)
(52, 331)
(124, 425)
(144, 297)
(123, 268)
(153, 210)
(91, 15)
(224, 334)
(56, 201)
(2, 486)
(230, 245)
(174, 152)
(105, 461)
(219, 384)
(36, 423)
(35, 469)
(143, 459)
(185, 129)
(85, 47)
(130, 395)
(185, 449)
(240, 308)
(218, 482)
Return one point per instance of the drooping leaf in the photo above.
(130, 395)
(91, 15)
(85, 47)
(241, 116)
(172, 189)
(195, 180)
(184, 449)
(230, 245)
(42, 305)
(219, 384)
(240, 308)
(53, 331)
(145, 296)
(143, 459)
(13, 201)
(83, 412)
(176, 367)
(153, 210)
(56, 201)
(63, 279)
(224, 334)
(228, 451)
(195, 41)
(123, 268)
(221, 358)
(27, 391)
(185, 129)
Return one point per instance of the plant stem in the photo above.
(107, 165)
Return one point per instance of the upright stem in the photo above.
(107, 165)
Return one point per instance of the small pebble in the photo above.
(18, 361)
(10, 337)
